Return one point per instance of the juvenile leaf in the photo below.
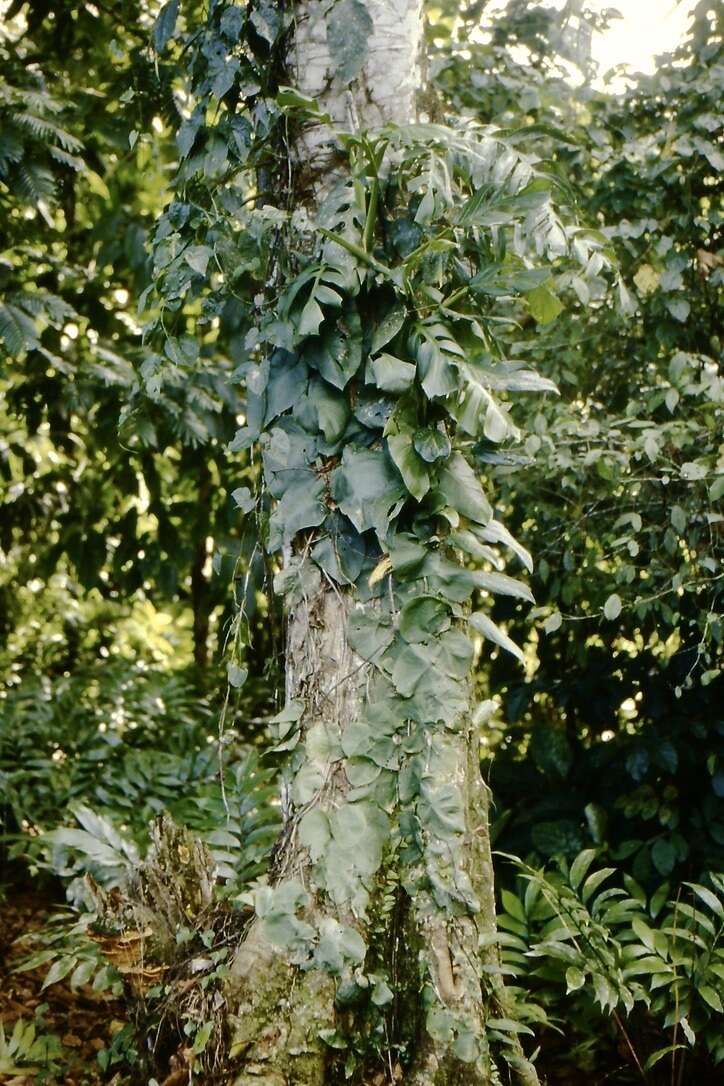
(367, 489)
(197, 257)
(349, 27)
(237, 676)
(243, 499)
(314, 833)
(423, 618)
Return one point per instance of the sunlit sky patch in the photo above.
(648, 28)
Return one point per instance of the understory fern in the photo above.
(594, 951)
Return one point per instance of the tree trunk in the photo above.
(356, 974)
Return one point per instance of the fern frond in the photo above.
(34, 183)
(28, 97)
(17, 331)
(43, 304)
(11, 148)
(40, 101)
(46, 130)
(73, 161)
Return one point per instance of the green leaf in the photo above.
(243, 499)
(361, 772)
(368, 634)
(201, 1037)
(659, 1055)
(502, 585)
(554, 838)
(495, 532)
(382, 994)
(708, 898)
(440, 1024)
(551, 749)
(543, 304)
(466, 1046)
(431, 444)
(679, 309)
(595, 880)
(333, 1038)
(331, 407)
(236, 675)
(58, 970)
(339, 945)
(349, 28)
(437, 374)
(411, 666)
(82, 973)
(553, 622)
(408, 463)
(710, 996)
(424, 618)
(301, 506)
(485, 625)
(580, 866)
(663, 855)
(388, 328)
(391, 374)
(16, 329)
(337, 354)
(575, 979)
(441, 808)
(461, 489)
(197, 257)
(310, 319)
(612, 607)
(367, 489)
(693, 472)
(513, 906)
(291, 98)
(165, 25)
(327, 296)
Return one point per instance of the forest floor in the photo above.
(71, 1026)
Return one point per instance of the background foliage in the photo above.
(120, 538)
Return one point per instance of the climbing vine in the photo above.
(372, 332)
